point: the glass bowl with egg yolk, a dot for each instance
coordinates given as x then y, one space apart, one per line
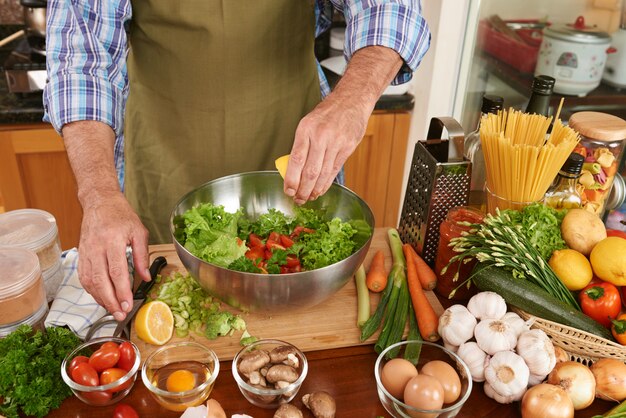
180 375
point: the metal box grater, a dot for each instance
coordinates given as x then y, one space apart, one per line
439 180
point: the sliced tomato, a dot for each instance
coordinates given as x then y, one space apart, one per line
274 245
239 241
274 236
255 241
284 270
286 241
268 254
296 269
292 261
300 229
255 253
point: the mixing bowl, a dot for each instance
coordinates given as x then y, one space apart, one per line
256 193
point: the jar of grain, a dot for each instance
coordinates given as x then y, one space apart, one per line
22 292
34 229
37 322
52 279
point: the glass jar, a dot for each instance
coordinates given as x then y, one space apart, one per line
601 144
449 229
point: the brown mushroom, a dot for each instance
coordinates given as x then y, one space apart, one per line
287 410
321 404
262 398
282 372
285 354
253 361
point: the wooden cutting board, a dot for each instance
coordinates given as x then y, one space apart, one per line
331 324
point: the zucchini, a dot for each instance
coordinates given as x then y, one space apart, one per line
530 298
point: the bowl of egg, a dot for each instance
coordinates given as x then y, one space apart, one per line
437 386
180 375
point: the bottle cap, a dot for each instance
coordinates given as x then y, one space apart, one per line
491 104
573 164
543 84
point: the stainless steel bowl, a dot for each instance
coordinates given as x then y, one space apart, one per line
256 193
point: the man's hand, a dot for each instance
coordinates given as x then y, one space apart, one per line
329 134
109 226
109 223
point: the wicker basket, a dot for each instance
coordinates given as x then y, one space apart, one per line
581 346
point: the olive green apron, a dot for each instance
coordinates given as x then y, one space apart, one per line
217 87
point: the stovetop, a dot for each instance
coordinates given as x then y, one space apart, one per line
25 67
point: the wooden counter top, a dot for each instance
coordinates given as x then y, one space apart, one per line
347 373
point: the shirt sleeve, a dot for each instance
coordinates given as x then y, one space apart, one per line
396 24
86 48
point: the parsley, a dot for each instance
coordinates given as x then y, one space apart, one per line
30 370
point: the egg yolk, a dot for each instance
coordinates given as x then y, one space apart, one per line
180 381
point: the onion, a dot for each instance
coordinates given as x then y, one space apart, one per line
610 377
546 401
577 381
560 354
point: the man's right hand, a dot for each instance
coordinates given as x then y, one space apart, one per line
109 223
109 226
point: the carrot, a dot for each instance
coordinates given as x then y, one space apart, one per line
427 319
425 274
376 279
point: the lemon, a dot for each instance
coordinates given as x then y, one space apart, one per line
281 165
572 268
154 323
608 259
180 381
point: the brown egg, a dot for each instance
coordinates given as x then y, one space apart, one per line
423 392
395 374
447 376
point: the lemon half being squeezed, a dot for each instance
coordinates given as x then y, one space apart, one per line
281 165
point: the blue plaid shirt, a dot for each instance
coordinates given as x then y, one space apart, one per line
87 47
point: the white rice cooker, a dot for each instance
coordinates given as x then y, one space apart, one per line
615 71
575 55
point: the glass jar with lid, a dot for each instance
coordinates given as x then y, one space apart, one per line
602 143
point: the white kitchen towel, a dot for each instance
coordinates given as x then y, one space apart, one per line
73 306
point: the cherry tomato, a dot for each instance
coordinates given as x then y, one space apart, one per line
76 361
104 358
601 301
113 374
85 374
109 345
127 356
618 328
124 411
97 398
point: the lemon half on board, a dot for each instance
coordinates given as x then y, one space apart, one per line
154 323
281 165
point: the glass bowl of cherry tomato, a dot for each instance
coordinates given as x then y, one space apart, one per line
101 371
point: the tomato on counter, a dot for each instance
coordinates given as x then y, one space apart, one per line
615 233
618 328
601 301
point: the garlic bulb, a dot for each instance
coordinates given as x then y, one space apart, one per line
517 323
453 348
485 305
507 373
535 379
456 325
491 393
493 335
475 358
535 347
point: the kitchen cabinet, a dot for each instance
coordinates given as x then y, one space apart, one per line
35 173
374 171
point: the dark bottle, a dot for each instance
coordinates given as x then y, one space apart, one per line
563 193
539 102
474 153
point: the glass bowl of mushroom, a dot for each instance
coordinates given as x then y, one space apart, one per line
269 372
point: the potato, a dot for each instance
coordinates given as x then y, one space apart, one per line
582 230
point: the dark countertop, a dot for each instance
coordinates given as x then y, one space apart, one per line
24 108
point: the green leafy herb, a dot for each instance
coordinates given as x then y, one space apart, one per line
541 224
30 370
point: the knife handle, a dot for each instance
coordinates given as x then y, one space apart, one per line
144 287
